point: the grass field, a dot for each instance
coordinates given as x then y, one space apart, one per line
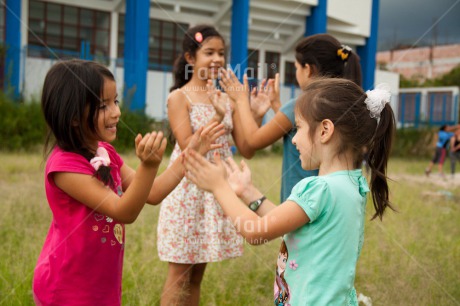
411 258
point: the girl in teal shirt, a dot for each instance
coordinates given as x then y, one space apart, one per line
322 221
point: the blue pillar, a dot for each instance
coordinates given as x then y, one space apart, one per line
455 109
317 21
444 106
136 52
368 52
432 110
13 47
239 37
418 97
403 108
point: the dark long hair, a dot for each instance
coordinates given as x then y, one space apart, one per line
190 45
322 52
342 102
70 103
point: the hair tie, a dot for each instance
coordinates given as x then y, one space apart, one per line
198 37
101 159
344 52
377 99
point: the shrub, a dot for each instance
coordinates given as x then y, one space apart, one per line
132 123
22 125
411 142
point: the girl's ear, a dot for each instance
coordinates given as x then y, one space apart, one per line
310 70
189 58
326 130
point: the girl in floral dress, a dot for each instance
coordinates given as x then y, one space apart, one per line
192 228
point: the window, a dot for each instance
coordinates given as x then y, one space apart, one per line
253 61
440 107
289 74
165 42
272 60
407 107
64 28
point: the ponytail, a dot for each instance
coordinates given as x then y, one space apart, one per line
379 151
104 175
101 163
180 73
352 69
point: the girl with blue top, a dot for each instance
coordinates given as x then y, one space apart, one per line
318 55
322 221
444 135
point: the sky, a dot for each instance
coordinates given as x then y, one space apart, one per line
408 22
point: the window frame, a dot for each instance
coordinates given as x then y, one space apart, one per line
63 46
156 57
290 74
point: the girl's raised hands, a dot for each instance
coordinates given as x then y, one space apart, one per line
218 100
203 140
260 102
150 148
273 92
204 174
232 86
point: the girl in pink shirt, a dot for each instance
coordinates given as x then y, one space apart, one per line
90 191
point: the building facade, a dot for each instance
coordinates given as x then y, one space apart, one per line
421 63
140 39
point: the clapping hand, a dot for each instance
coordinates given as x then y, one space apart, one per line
218 100
206 175
203 139
150 148
239 178
232 86
273 92
260 102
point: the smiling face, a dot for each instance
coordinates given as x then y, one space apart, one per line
209 58
306 144
108 115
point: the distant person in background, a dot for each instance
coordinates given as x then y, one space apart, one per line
444 135
454 151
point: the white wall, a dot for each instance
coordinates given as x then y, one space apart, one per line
391 79
351 16
158 84
34 76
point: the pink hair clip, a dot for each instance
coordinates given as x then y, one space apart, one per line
198 37
101 159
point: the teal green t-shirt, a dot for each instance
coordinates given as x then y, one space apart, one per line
317 262
292 168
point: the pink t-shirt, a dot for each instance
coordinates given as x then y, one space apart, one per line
82 260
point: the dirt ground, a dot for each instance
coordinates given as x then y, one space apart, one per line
434 185
447 181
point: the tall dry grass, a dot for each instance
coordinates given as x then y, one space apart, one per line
411 258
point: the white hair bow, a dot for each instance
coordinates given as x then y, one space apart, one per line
377 98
